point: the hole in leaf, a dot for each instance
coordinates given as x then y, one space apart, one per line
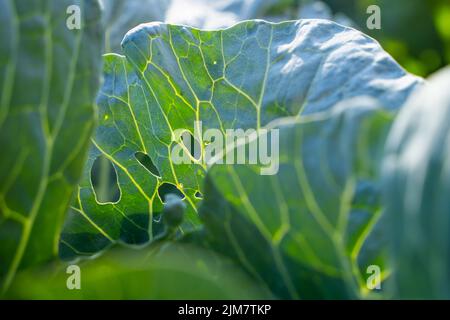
147 163
104 181
167 188
191 144
198 195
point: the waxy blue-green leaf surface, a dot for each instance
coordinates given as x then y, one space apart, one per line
417 188
122 15
312 229
241 77
49 76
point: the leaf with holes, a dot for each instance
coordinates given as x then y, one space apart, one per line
242 77
49 76
312 229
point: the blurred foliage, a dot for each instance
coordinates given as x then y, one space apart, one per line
415 32
48 124
166 271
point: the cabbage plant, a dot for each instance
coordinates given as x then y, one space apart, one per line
353 207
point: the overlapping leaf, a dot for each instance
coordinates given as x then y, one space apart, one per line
312 229
49 76
241 77
417 186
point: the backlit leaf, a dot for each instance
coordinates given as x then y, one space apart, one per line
242 77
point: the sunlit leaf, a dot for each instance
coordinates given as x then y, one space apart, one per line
241 77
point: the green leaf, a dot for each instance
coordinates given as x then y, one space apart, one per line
241 77
122 15
312 229
416 174
49 76
410 33
167 272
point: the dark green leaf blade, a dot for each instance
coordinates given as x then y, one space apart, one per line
49 76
